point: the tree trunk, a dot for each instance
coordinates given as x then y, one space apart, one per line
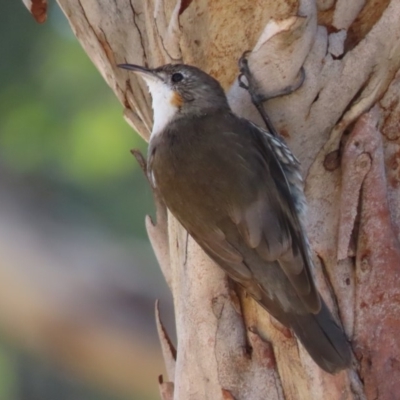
343 125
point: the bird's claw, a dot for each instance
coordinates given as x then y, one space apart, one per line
257 97
301 77
251 86
244 70
241 83
254 88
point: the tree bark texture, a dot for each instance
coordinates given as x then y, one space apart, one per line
343 125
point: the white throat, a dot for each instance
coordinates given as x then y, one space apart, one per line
163 105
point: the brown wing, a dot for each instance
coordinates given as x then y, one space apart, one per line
268 225
233 187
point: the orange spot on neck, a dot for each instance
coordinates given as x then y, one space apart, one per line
177 100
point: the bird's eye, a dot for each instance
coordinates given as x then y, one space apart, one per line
176 77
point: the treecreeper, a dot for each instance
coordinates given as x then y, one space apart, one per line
237 189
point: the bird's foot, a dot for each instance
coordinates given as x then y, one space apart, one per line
256 94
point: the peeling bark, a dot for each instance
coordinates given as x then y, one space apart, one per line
38 8
166 389
342 125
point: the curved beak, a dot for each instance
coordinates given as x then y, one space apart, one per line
146 73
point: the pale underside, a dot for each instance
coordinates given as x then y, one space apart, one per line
163 105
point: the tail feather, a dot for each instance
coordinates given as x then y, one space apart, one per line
323 338
319 333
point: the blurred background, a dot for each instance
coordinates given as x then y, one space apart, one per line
78 278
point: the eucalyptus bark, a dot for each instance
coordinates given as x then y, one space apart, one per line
342 124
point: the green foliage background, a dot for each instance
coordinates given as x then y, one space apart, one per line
61 124
63 135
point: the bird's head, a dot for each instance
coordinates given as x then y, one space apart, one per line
180 90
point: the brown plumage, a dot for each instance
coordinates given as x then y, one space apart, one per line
238 192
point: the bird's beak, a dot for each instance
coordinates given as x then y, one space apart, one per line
148 74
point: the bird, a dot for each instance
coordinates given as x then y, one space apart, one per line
238 191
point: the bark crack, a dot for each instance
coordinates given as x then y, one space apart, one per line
135 14
167 347
357 384
329 284
162 43
107 47
186 248
87 19
139 104
217 314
